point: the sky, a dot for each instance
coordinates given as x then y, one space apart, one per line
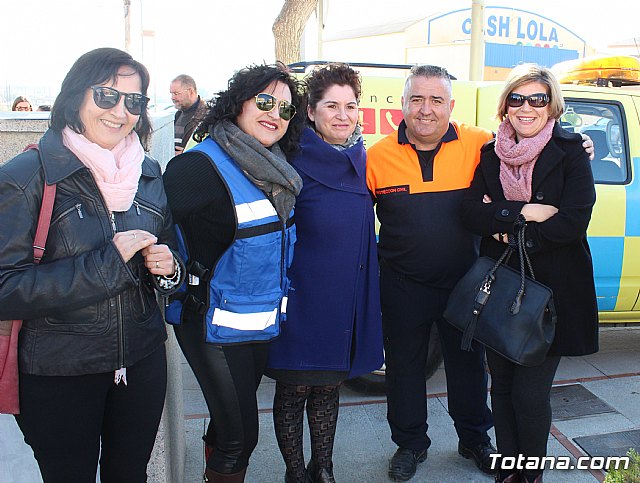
211 39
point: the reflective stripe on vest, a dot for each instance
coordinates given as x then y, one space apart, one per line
251 213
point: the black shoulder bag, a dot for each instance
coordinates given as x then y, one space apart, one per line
509 312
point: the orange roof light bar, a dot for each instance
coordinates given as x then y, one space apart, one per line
618 70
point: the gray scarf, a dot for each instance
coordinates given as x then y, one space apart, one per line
267 168
355 138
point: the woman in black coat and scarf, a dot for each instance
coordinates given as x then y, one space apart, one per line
537 173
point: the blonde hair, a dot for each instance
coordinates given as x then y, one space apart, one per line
525 74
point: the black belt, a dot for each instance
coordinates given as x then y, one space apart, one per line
263 229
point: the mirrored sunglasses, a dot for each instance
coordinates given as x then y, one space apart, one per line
108 97
266 102
539 99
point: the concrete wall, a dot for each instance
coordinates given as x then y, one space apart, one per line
17 129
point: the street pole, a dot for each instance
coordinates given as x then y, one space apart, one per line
320 27
476 58
127 25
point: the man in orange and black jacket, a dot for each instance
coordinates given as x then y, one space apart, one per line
418 176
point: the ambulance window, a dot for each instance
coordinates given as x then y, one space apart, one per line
602 122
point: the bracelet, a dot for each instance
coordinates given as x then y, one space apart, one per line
176 271
166 282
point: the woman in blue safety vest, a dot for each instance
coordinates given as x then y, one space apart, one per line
232 198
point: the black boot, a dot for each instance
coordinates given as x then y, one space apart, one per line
289 478
538 479
317 474
512 478
215 477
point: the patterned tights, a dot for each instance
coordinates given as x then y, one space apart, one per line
322 413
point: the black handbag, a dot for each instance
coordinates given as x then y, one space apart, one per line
508 312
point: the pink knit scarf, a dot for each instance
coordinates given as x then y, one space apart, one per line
115 171
517 159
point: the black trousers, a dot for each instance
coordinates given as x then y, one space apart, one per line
408 311
229 376
520 398
69 420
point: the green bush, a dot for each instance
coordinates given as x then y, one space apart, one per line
629 475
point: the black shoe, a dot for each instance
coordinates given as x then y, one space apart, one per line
316 474
512 478
481 454
404 463
288 478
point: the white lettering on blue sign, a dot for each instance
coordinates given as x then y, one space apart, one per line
499 26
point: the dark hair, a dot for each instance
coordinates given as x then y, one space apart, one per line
94 68
18 100
245 84
330 75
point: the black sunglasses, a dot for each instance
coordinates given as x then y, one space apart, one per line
535 100
266 102
108 97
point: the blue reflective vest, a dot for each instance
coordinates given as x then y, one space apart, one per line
248 289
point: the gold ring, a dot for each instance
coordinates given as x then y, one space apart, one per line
157 264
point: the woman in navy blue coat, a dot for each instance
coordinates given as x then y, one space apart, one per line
333 329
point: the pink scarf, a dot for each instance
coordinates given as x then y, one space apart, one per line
116 171
517 159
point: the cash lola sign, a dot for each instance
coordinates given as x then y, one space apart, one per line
501 26
505 26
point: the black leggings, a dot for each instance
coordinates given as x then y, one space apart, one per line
66 418
229 377
520 400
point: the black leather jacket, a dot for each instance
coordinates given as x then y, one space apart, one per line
85 310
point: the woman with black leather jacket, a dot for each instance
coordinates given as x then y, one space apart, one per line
91 349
